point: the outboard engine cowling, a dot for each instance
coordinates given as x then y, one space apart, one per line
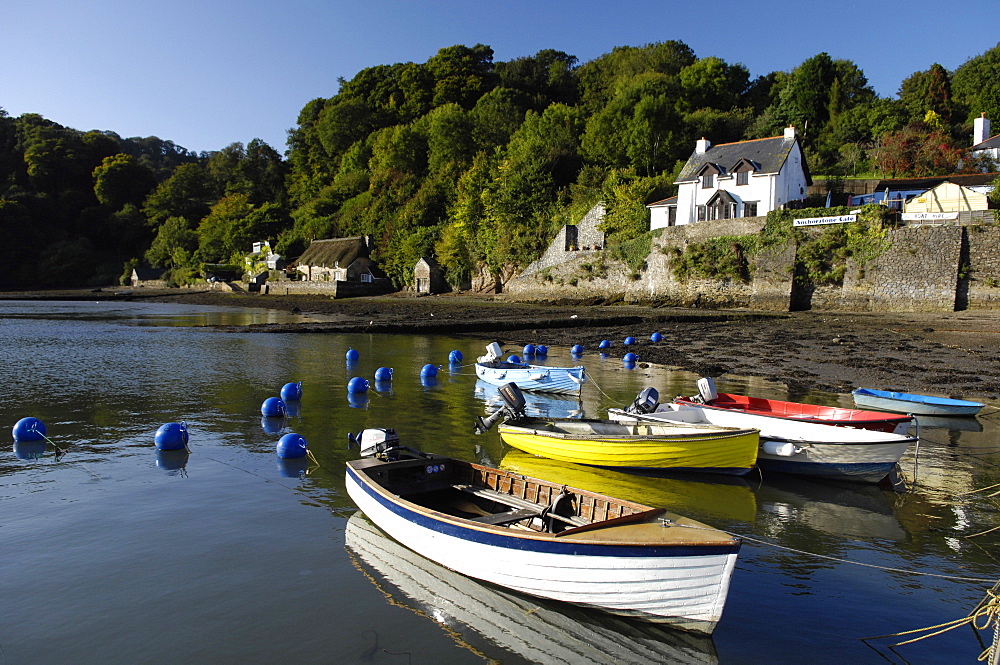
375 442
706 388
512 408
493 353
645 402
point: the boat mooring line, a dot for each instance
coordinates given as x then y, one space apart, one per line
840 560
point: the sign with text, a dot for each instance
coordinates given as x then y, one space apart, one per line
928 216
813 221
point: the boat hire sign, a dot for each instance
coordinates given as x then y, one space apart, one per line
815 221
929 216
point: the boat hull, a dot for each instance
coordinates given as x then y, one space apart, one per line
725 453
918 405
534 378
810 449
684 586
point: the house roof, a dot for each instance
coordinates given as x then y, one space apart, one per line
923 184
992 142
768 155
672 201
334 251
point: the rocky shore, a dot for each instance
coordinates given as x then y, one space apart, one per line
954 354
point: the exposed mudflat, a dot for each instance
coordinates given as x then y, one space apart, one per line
953 354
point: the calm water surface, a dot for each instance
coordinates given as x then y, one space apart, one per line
116 554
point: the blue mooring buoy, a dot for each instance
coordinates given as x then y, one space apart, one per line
655 337
541 350
171 436
630 358
428 371
529 350
383 374
28 429
357 385
455 357
291 392
577 349
351 355
272 406
514 359
629 341
605 344
291 446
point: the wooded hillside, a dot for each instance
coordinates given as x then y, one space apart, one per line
471 161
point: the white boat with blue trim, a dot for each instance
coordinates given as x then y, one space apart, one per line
545 539
917 405
493 369
788 446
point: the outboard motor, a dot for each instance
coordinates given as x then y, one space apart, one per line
376 442
512 408
645 402
706 389
493 353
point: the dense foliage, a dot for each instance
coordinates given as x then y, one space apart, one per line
474 162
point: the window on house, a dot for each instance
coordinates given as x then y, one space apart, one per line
672 216
742 177
702 213
750 209
708 181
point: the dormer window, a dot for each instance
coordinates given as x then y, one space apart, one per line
742 177
708 181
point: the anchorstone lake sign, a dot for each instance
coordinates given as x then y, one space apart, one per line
814 221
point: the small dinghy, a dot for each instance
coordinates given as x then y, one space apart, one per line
918 405
493 369
637 445
876 421
543 538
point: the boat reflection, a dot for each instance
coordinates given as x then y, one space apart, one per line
705 499
541 631
953 423
536 405
861 512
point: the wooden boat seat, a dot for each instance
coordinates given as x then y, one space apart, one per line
517 502
508 517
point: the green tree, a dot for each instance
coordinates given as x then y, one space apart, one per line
122 180
188 194
174 244
224 233
976 85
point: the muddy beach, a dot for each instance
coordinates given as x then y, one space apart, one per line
953 354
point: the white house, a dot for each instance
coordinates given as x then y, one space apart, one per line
743 179
982 144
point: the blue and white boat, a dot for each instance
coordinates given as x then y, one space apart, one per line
918 405
543 538
493 369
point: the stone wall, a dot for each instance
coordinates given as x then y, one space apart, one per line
925 269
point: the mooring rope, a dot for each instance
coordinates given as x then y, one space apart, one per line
987 612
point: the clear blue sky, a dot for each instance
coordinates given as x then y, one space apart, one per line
207 73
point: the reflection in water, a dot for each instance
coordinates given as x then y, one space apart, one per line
970 424
536 405
689 495
540 631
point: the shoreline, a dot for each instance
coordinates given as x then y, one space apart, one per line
953 354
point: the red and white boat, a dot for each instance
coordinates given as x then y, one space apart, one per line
877 421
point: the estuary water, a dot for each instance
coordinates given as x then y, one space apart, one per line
113 553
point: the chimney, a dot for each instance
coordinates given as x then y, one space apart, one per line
980 129
702 145
790 132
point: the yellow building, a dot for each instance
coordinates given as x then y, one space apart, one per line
948 197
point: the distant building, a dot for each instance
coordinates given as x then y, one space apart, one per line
148 277
427 277
337 259
663 213
983 145
743 179
948 197
894 193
